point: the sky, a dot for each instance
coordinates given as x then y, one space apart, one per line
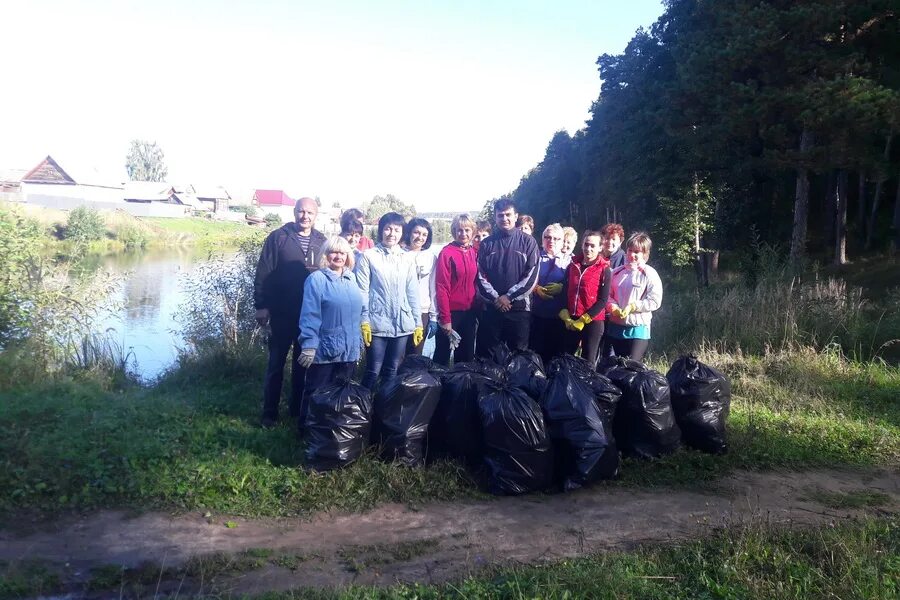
443 104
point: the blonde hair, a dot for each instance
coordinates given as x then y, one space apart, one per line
569 232
641 241
460 221
554 228
337 244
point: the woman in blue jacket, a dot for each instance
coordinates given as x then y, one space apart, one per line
390 296
330 320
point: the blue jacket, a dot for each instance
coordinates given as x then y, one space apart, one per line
551 270
331 316
390 291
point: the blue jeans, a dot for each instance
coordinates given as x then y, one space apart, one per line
383 356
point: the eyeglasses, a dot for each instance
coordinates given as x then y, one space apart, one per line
550 237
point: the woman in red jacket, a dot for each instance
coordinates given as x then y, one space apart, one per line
454 293
587 291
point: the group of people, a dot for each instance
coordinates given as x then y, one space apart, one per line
331 299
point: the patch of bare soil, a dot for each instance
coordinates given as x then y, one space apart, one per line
440 541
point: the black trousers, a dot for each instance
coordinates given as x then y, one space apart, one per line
591 340
548 337
510 327
633 349
465 323
282 339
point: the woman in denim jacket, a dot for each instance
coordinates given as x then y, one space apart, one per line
390 297
330 320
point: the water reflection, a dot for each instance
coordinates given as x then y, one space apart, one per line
150 298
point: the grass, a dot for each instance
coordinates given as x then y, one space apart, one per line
192 442
757 562
853 499
854 560
124 231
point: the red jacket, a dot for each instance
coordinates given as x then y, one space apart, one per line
364 243
587 288
454 280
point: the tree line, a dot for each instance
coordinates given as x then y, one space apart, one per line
740 120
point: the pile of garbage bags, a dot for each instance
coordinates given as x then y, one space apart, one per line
524 426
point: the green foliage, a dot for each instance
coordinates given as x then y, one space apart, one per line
720 93
85 225
20 265
145 162
273 220
384 204
251 211
220 316
133 237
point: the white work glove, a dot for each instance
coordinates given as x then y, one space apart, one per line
306 357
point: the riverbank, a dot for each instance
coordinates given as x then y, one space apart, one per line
122 231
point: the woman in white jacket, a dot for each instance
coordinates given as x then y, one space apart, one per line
635 292
417 236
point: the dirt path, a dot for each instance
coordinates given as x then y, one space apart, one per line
447 540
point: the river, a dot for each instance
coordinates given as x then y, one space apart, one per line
152 292
145 326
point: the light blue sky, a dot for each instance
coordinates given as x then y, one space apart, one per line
444 104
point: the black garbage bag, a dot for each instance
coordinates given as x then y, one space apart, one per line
338 425
403 409
525 370
500 354
455 429
488 368
606 394
584 449
644 425
701 399
517 449
419 362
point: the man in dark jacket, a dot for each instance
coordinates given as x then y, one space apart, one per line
288 256
507 274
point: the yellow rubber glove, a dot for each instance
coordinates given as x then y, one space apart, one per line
617 312
579 323
628 309
418 336
564 315
541 293
553 289
366 333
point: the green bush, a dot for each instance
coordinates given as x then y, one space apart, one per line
20 266
133 237
85 225
273 220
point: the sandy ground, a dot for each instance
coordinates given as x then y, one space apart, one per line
441 541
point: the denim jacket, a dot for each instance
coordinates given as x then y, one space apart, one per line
331 316
390 291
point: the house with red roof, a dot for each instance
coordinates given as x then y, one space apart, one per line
274 201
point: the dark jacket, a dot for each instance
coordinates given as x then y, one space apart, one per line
282 270
616 259
587 288
508 265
